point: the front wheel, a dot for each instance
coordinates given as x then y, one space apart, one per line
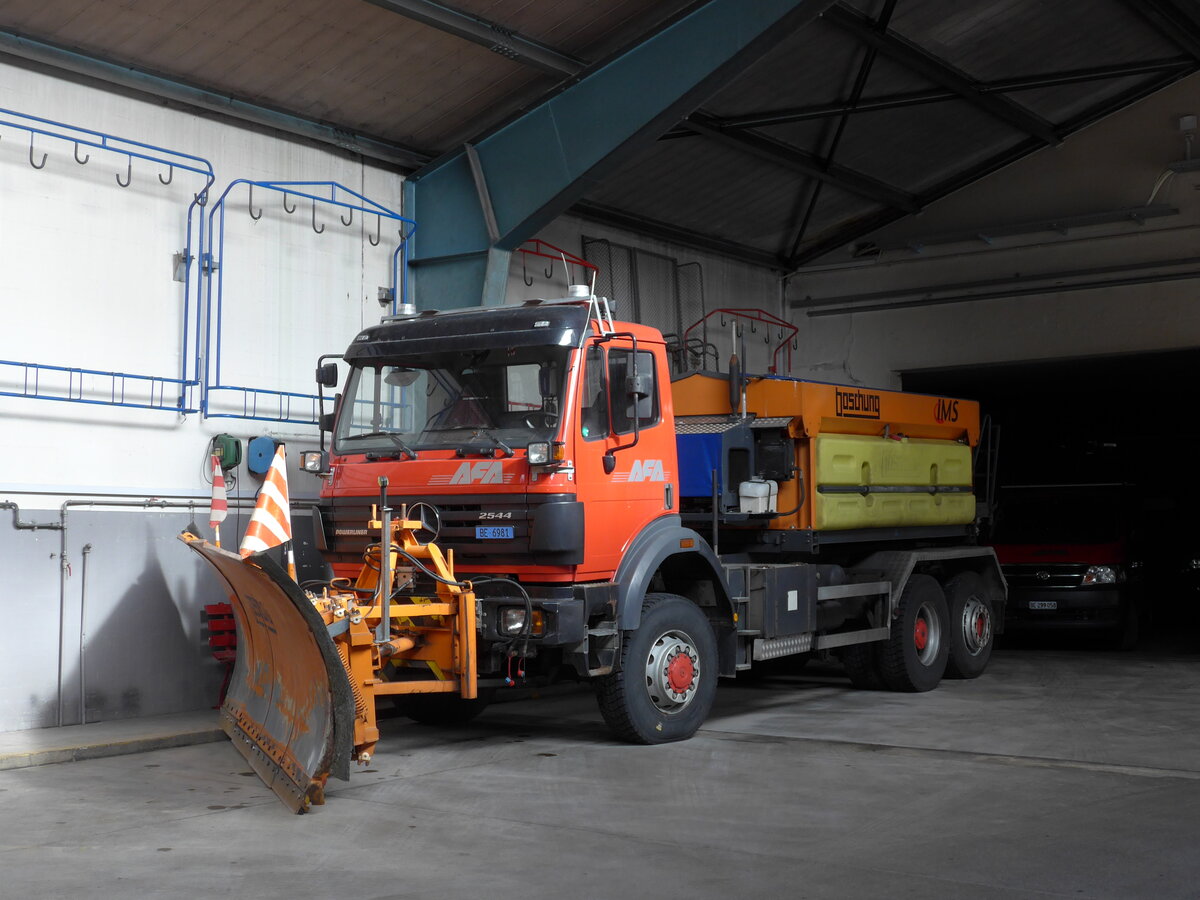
914 657
667 679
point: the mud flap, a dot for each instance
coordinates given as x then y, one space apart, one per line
290 708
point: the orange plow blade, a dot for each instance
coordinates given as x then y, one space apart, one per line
290 708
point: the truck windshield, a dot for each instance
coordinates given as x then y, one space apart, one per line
481 400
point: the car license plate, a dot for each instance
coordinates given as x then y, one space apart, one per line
493 532
1043 604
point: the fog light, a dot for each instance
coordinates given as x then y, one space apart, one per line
1100 575
512 622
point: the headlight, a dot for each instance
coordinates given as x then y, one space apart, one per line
313 461
546 453
1100 575
512 622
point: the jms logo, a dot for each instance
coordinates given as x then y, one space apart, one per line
856 404
482 472
947 411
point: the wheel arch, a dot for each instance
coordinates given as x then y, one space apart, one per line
942 563
668 557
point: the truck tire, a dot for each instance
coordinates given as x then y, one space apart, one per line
667 679
970 634
861 662
913 658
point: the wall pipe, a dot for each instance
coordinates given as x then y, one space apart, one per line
87 550
1018 292
927 292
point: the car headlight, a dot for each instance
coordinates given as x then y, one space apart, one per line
1100 575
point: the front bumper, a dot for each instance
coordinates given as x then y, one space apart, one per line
1097 607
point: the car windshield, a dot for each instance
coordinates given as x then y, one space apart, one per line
476 401
1059 515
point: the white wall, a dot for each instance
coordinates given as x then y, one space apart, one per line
86 281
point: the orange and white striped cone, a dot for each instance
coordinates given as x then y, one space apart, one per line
219 507
271 522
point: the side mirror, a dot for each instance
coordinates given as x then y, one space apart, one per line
327 375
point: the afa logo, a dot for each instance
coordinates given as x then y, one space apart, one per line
482 472
946 411
647 470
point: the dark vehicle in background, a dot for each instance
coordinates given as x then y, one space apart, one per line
1068 554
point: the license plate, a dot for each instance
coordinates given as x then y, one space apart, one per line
493 532
1043 604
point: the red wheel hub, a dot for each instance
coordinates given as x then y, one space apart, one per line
921 634
680 673
979 623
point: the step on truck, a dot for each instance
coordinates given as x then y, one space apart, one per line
650 535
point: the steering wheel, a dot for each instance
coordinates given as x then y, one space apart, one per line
546 419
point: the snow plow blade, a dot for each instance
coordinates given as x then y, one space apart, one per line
289 709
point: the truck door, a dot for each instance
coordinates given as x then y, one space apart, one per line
637 433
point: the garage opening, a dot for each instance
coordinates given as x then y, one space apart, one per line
1126 420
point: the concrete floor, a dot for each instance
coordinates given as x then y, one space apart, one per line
1059 773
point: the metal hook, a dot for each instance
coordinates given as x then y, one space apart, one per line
288 209
524 275
202 197
753 327
350 221
374 241
128 174
550 271
722 321
170 175
86 156
795 344
31 162
250 204
314 219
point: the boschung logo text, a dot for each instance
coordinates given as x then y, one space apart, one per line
857 404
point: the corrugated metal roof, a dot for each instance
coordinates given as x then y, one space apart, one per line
950 90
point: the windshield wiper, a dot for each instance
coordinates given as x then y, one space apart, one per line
391 435
483 449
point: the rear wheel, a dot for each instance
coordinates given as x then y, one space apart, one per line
668 675
914 657
970 632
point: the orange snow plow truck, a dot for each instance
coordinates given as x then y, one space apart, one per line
562 508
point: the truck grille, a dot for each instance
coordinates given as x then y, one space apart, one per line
347 532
